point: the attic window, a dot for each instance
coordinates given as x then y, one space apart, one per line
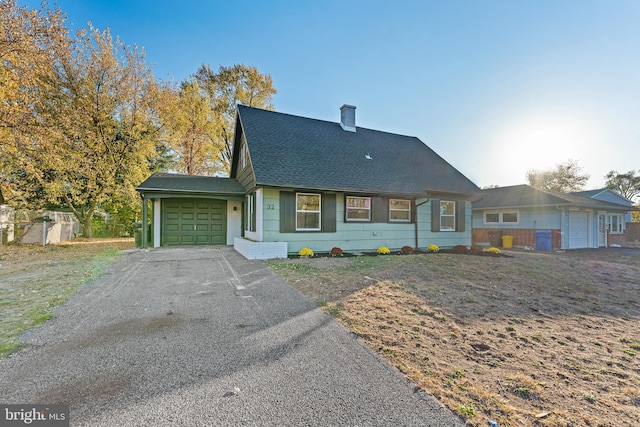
244 156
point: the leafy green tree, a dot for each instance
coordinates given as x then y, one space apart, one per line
91 124
191 130
626 184
226 88
26 40
564 178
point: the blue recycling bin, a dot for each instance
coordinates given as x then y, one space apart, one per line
543 240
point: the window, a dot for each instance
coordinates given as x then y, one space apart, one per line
358 208
244 156
447 215
506 217
615 224
491 217
307 212
399 210
251 212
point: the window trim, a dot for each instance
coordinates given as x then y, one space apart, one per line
455 208
500 214
251 212
620 223
347 209
408 220
319 211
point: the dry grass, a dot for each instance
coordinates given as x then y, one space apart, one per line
531 340
36 279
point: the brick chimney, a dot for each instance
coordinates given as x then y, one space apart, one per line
348 117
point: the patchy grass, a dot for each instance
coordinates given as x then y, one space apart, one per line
531 340
36 279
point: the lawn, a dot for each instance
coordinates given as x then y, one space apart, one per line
36 279
532 339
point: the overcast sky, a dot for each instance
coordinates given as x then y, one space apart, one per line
494 87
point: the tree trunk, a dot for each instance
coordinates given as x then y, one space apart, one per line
86 226
1 197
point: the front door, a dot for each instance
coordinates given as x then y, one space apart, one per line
602 229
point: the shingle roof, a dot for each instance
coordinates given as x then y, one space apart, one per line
602 191
174 183
522 196
293 151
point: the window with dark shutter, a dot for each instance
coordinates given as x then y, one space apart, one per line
307 212
447 215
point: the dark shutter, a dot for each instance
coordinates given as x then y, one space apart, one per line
460 215
287 212
435 215
328 213
379 209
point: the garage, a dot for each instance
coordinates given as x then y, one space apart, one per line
194 222
578 230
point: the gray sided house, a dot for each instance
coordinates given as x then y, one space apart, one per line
301 182
575 221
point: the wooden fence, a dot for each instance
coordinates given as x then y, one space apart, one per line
633 232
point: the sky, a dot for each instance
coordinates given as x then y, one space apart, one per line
495 87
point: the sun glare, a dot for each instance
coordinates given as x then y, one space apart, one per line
541 141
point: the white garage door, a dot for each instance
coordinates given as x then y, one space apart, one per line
578 230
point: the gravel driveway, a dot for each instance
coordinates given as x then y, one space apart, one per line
199 337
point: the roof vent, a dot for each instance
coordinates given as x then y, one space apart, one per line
348 117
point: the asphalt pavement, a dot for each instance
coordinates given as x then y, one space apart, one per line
204 337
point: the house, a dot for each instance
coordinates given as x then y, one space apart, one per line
302 182
575 221
608 195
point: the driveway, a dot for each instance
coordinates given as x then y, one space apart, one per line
201 336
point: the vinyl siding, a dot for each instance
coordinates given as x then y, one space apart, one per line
539 219
359 236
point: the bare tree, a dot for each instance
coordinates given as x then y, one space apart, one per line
564 178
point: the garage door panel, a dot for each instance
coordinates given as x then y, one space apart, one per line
193 222
578 230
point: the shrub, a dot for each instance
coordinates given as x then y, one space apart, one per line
494 251
305 252
460 249
383 250
335 251
406 250
433 248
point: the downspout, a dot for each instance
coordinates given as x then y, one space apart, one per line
415 222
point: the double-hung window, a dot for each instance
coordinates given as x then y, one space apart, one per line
358 208
307 212
399 210
447 215
615 224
